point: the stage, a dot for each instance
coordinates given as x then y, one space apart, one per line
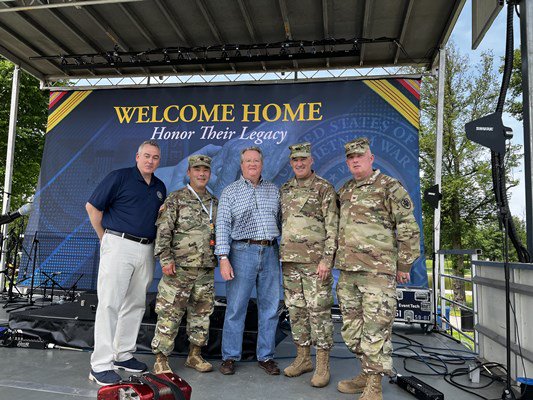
62 374
71 324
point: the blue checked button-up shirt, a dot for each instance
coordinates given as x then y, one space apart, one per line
247 212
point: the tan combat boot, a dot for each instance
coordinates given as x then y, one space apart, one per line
161 364
372 389
301 364
321 375
354 385
196 361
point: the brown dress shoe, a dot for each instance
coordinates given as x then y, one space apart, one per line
227 367
270 366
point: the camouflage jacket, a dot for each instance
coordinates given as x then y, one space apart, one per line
377 229
183 230
310 220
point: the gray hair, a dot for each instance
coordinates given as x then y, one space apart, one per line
252 148
151 143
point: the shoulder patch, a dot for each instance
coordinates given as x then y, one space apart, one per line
405 203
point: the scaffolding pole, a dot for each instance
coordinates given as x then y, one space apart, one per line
10 157
438 169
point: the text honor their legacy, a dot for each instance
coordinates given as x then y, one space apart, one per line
220 113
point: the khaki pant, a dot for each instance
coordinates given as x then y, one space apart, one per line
125 272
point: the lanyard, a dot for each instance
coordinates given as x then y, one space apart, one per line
210 212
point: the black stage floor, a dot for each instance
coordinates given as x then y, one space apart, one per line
71 324
53 374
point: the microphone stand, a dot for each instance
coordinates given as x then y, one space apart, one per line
508 393
73 288
33 250
34 261
10 275
12 278
25 276
50 277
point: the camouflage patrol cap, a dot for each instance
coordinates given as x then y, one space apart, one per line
199 159
357 146
300 150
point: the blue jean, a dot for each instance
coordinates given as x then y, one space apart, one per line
253 266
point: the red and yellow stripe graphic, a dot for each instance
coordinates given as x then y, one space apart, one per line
55 97
412 85
397 99
65 108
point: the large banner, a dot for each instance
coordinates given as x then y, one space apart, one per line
91 133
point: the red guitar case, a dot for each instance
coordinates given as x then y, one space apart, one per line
149 386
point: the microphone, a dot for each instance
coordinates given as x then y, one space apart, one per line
10 217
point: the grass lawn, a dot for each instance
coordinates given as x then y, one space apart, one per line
447 270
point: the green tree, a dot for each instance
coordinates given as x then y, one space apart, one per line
468 205
31 128
489 238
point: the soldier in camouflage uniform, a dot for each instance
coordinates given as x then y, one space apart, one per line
379 239
185 248
310 218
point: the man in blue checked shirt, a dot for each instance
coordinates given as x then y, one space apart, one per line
248 223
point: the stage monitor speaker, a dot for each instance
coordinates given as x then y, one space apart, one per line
90 300
249 340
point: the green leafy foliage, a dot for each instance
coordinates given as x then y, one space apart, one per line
30 137
468 208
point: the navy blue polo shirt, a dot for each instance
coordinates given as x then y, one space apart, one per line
129 204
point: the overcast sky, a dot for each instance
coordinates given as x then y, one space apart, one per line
495 40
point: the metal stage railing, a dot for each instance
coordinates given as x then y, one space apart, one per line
467 313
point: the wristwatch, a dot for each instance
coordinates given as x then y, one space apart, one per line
223 257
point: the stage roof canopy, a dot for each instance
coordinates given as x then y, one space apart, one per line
61 39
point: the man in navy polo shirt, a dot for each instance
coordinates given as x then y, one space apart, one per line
123 210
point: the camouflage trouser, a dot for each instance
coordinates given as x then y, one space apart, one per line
191 290
309 300
368 307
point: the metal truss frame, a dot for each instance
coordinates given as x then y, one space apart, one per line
97 83
31 5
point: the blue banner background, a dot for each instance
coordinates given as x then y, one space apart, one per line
90 142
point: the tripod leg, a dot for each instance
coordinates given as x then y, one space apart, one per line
36 243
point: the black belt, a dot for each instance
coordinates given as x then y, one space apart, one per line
137 239
259 242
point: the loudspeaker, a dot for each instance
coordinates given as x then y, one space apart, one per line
433 196
90 300
214 345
